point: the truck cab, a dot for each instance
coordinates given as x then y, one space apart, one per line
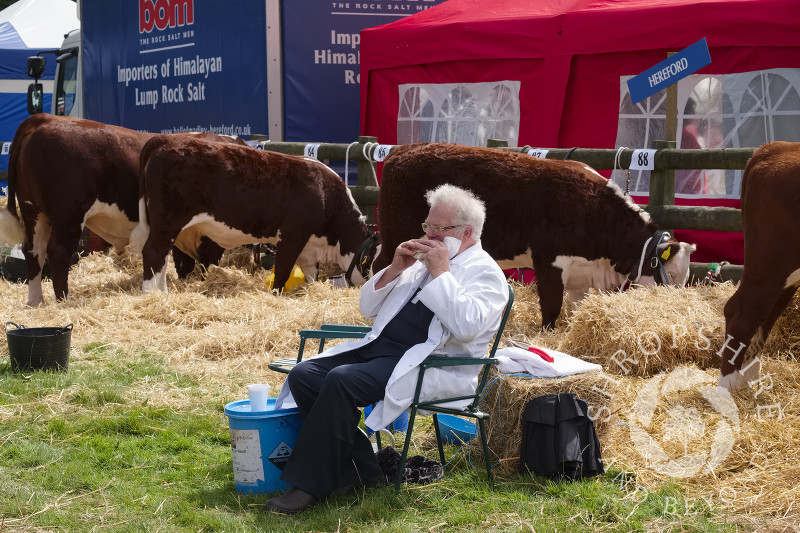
68 82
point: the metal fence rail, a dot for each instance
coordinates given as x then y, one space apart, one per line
661 204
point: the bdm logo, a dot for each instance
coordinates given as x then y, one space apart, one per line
162 14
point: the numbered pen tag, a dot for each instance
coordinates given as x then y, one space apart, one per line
535 152
381 151
311 150
643 160
6 148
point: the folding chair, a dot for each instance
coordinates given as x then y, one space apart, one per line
338 331
326 331
471 411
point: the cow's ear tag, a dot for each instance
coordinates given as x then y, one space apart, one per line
665 254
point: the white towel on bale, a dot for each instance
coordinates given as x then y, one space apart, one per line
512 360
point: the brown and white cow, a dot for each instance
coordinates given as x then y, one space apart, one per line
771 275
65 173
237 195
574 227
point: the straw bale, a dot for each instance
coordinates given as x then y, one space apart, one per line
507 395
784 340
760 464
645 331
240 257
748 462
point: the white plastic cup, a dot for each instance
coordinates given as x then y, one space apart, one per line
258 393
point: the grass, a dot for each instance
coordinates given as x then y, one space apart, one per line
87 450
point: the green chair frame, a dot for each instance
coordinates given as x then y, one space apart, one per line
326 331
473 410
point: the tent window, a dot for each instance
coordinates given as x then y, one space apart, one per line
770 107
717 111
415 105
463 113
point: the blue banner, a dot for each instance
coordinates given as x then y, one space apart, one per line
321 43
674 68
13 110
176 65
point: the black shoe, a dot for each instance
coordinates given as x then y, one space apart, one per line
292 501
372 483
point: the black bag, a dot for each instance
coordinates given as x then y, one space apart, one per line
418 468
558 438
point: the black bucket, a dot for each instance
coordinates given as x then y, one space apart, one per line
38 348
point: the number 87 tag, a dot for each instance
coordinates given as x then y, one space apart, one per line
643 160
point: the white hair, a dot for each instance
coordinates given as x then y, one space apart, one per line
469 209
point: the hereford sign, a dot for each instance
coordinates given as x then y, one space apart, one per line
676 67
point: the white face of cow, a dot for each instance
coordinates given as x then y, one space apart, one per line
356 279
677 268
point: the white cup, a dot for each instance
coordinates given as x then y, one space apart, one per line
258 396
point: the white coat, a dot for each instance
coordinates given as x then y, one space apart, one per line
467 303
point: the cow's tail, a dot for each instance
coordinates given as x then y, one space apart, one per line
11 230
142 230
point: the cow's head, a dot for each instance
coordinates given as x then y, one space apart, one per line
665 261
673 257
360 266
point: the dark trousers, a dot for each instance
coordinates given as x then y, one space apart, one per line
331 451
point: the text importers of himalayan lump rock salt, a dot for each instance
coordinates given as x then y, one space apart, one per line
344 46
174 91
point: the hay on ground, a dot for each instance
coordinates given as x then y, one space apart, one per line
663 418
225 328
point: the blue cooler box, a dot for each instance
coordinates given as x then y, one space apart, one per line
261 443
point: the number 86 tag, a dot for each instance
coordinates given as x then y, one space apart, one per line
643 160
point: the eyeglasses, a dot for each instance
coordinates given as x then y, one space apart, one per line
438 230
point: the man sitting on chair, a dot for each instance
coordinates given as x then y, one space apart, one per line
441 295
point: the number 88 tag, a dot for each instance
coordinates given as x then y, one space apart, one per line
643 160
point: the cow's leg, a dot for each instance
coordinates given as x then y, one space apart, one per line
35 264
62 245
749 316
286 253
551 292
209 252
35 251
184 265
155 258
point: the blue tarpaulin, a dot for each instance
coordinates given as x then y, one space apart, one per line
27 27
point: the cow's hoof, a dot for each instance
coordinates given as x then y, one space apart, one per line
734 381
751 370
